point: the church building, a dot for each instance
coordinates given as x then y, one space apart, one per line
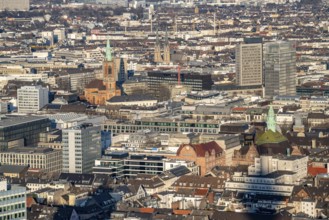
98 91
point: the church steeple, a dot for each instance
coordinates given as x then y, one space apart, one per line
166 49
271 122
108 56
157 43
166 37
157 50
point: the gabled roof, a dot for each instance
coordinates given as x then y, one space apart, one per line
192 181
314 171
81 179
201 149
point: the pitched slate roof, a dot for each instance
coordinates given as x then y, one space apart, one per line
12 169
193 181
96 84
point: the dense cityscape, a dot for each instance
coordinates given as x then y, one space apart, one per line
164 109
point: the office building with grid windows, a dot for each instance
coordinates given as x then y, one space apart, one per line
280 68
81 147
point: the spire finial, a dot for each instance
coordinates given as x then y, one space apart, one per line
157 37
108 50
271 123
166 38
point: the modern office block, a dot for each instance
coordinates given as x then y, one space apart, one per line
31 99
280 68
81 147
249 63
21 131
121 164
197 81
45 159
12 201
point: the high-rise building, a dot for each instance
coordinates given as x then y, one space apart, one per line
81 147
280 68
249 62
15 5
13 201
31 99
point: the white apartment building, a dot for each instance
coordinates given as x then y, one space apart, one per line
265 165
81 147
31 99
12 201
270 175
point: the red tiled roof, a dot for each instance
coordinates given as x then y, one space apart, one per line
30 201
313 171
201 192
239 109
181 212
147 210
201 149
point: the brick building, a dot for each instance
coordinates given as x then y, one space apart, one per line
205 155
99 91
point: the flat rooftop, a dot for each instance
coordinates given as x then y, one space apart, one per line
10 121
29 150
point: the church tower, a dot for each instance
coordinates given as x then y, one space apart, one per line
109 74
109 68
270 121
157 50
166 50
98 91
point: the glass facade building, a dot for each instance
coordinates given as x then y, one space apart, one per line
21 131
280 68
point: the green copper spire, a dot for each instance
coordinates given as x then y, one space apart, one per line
271 122
108 50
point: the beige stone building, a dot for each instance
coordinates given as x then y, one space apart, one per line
45 159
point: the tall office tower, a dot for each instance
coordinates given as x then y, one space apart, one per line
280 68
249 62
31 99
15 5
13 201
81 147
